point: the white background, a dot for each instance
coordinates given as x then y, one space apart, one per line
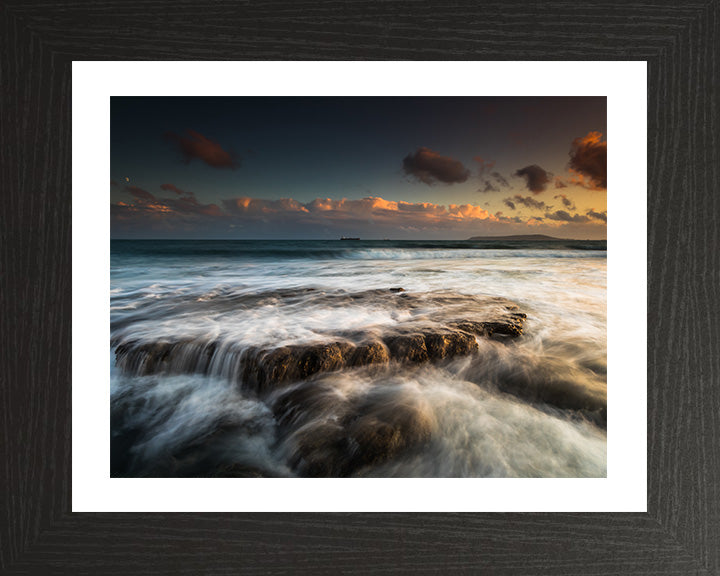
624 84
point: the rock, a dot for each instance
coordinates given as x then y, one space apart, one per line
143 358
440 345
369 353
408 348
291 363
330 435
509 327
323 358
321 451
549 382
294 405
477 328
387 426
263 368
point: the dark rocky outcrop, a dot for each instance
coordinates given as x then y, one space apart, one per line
321 451
510 325
383 429
549 383
289 363
327 435
449 343
408 348
182 356
419 340
369 353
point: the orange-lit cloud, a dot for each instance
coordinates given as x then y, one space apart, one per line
254 207
146 203
195 145
372 209
429 167
371 215
588 161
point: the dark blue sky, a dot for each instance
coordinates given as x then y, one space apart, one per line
394 167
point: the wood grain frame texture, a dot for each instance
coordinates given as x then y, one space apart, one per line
680 533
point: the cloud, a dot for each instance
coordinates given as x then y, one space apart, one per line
484 166
147 215
588 159
140 194
366 209
597 215
175 189
493 181
245 207
559 183
536 178
566 201
489 187
146 203
346 215
563 216
467 211
428 166
195 145
500 179
509 219
528 201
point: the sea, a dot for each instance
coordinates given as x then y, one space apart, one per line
192 320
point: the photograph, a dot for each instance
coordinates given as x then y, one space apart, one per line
358 287
365 310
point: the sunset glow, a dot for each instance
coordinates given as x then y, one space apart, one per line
368 167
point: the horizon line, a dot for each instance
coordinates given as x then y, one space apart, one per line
356 240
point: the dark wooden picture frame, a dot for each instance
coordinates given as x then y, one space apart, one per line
680 533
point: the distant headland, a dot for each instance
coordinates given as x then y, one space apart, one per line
527 237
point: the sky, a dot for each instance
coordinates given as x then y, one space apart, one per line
368 167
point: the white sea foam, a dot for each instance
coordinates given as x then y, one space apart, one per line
243 302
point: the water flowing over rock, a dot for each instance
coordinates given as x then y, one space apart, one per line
327 434
416 341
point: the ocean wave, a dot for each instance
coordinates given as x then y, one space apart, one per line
369 249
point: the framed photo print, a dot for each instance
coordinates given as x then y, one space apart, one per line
320 288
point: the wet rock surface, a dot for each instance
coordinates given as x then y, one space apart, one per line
326 434
263 368
418 340
329 436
